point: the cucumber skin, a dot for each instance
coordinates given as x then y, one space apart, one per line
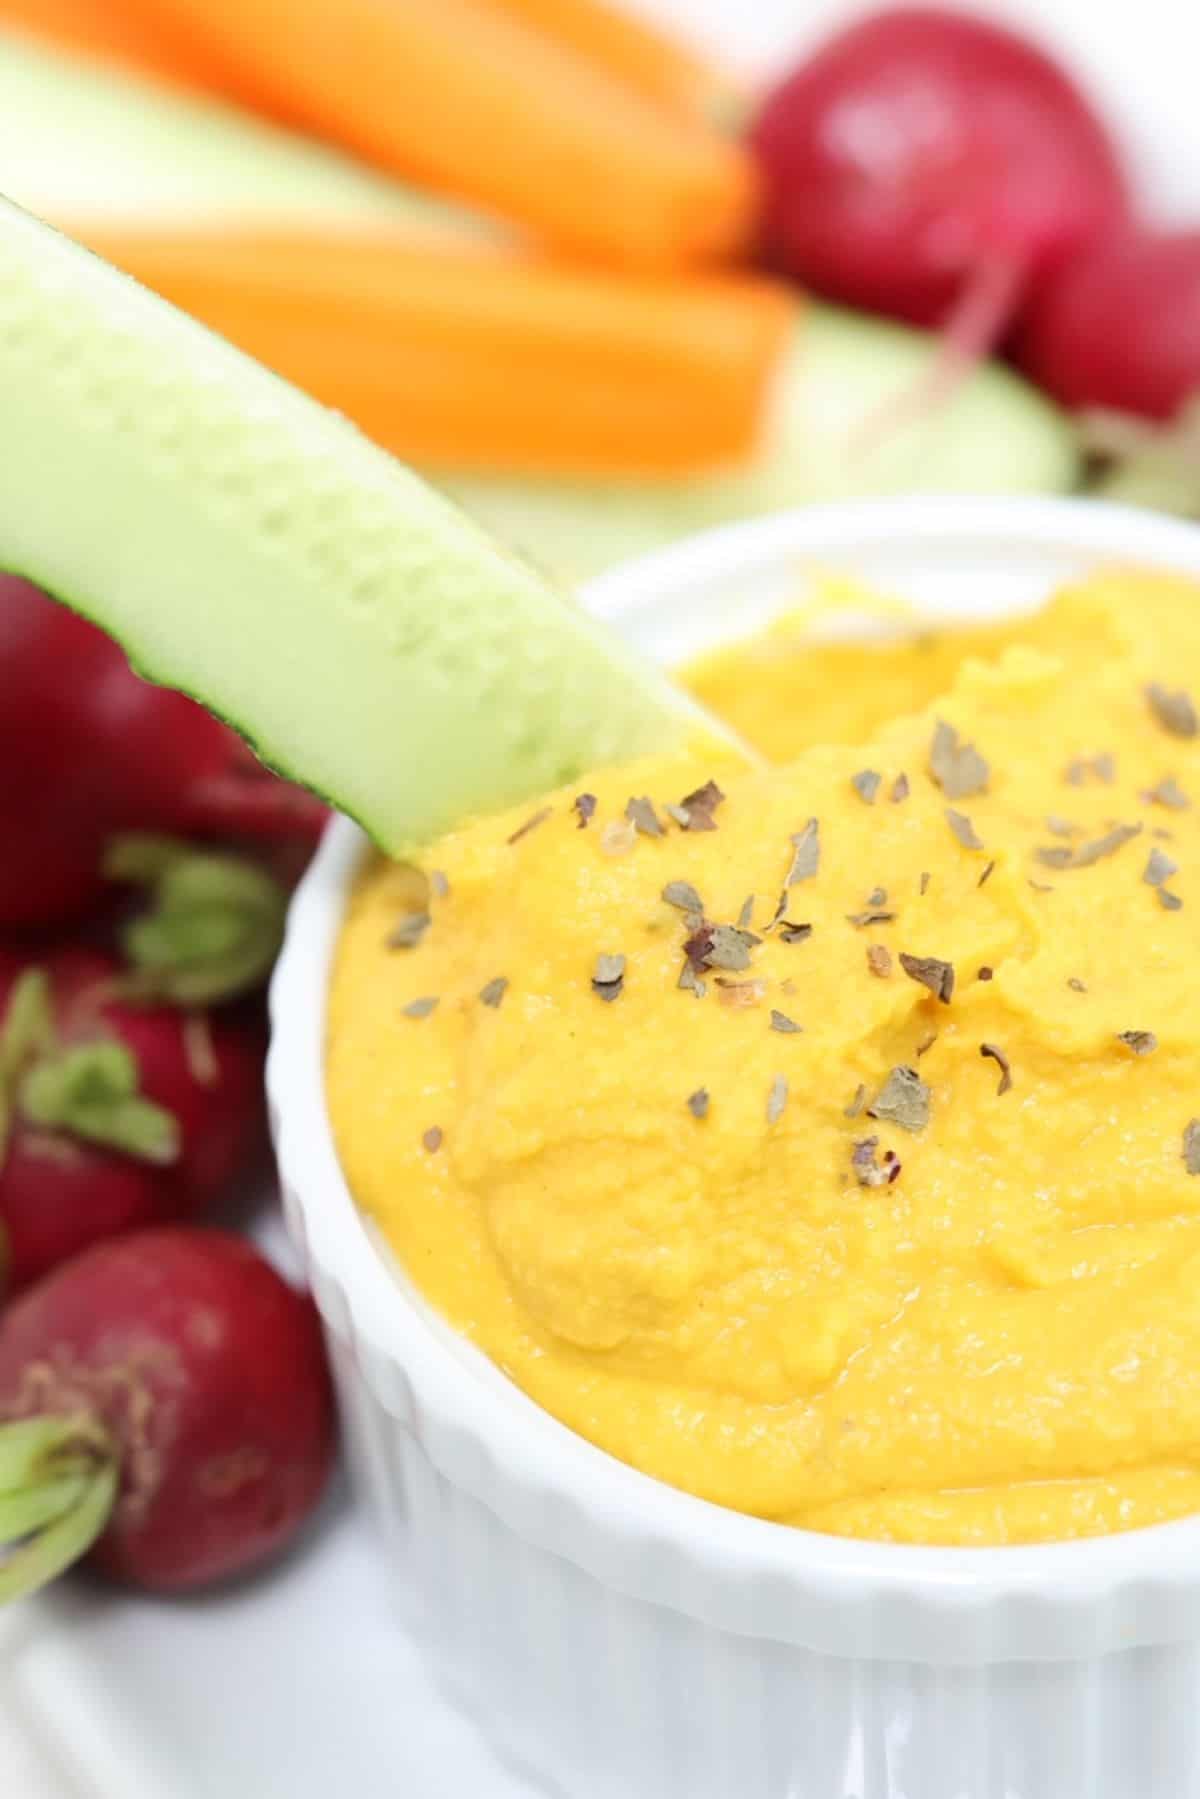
998 435
255 551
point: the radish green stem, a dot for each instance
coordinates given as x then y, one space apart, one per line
214 926
27 1031
58 1484
23 1513
91 1092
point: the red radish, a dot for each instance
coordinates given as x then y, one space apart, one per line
932 166
89 750
1118 325
112 1115
179 1418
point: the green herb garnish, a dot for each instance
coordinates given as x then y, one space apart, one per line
930 972
958 768
903 1099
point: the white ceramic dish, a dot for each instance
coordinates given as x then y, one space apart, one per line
633 1641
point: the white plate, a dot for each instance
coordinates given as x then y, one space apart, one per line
102 1697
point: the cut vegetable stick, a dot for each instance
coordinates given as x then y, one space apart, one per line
481 105
650 60
84 139
480 357
108 30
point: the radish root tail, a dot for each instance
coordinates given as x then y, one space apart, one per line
977 322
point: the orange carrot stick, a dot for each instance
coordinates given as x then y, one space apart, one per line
479 104
650 60
108 30
482 358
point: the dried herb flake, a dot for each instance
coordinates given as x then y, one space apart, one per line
931 972
1170 902
958 768
531 824
900 789
494 992
777 1099
1191 1147
781 1022
1159 868
1168 793
1103 767
409 932
879 960
585 807
720 946
806 858
869 1172
421 1008
1108 845
963 829
1062 856
1001 1060
856 1104
698 1103
1175 712
1142 1043
903 1099
695 810
683 896
866 784
432 1139
609 978
794 933
642 816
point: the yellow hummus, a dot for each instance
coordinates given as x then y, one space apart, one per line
673 1219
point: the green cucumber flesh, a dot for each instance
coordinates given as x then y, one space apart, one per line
996 435
80 140
252 549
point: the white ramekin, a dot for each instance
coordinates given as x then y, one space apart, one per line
627 1641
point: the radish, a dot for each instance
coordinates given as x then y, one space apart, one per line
90 750
113 1115
170 1414
934 167
1118 325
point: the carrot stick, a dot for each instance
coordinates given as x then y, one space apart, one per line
109 31
482 358
479 104
650 60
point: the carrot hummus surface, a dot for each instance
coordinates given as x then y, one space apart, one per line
825 1140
